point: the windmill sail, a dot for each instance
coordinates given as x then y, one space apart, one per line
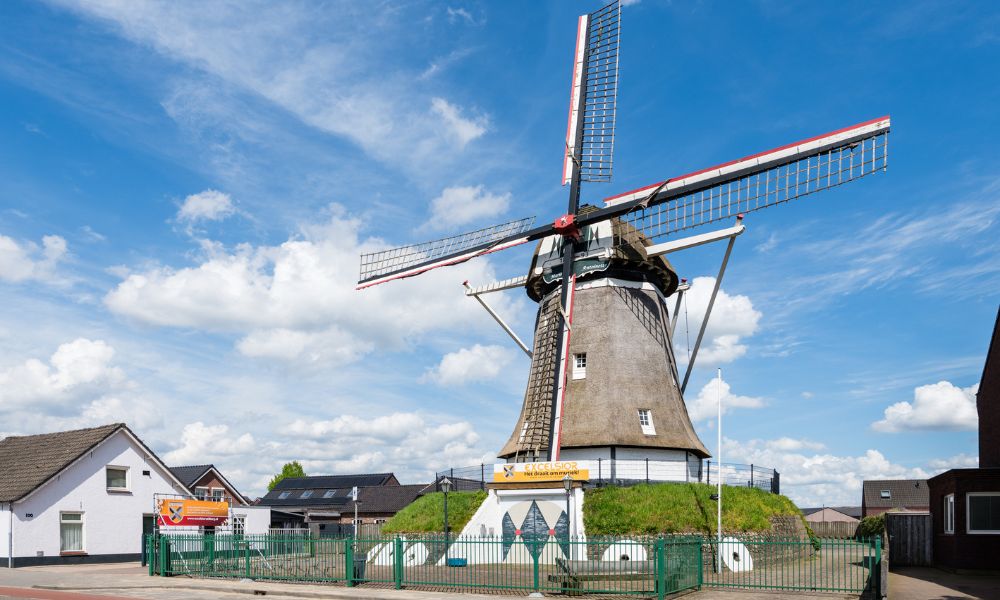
754 182
595 76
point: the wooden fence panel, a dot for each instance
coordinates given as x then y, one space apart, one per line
910 538
838 530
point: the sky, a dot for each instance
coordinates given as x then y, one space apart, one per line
185 188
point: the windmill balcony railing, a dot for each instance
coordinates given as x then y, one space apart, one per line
626 472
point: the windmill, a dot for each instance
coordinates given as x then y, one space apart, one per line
603 375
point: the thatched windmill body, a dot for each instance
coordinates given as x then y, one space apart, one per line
603 381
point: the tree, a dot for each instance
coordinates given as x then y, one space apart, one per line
292 469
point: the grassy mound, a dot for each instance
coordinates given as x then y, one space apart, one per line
426 515
680 508
652 509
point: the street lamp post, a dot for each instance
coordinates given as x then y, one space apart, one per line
446 487
568 486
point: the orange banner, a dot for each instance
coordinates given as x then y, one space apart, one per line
193 512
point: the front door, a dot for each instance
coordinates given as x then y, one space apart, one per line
148 528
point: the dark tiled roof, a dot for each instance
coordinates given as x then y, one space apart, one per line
28 461
335 481
190 474
902 493
371 499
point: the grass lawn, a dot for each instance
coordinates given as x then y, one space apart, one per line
426 515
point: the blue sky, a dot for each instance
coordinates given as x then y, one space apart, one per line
184 189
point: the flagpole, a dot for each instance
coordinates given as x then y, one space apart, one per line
718 480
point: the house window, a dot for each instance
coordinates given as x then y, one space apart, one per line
885 495
218 494
71 532
306 494
329 493
239 525
580 365
284 495
117 478
646 421
982 512
949 513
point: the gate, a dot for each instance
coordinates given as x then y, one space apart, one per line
910 538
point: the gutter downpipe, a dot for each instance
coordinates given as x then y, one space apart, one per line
10 535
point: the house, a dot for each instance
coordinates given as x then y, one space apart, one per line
882 495
832 514
965 503
207 483
326 499
86 495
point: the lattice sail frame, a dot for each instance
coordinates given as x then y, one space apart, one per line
595 74
407 259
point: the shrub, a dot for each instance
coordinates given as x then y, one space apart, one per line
872 526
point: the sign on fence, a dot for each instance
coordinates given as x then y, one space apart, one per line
539 471
204 513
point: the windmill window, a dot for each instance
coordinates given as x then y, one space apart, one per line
646 421
885 495
580 365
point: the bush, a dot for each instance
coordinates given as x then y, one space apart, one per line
872 526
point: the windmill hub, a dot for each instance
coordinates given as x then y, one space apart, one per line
566 227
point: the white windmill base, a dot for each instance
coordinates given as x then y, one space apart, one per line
635 464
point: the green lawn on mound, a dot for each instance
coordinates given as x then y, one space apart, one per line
426 514
636 510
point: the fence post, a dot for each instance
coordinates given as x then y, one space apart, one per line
164 549
397 562
709 473
751 474
600 476
246 558
349 562
150 554
482 476
876 574
647 470
661 569
701 562
534 560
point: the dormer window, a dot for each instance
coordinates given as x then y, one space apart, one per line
646 421
580 365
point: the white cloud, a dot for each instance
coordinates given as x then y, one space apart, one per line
811 478
462 129
209 205
297 301
78 368
455 13
733 318
336 81
478 363
705 405
201 444
465 204
938 406
959 461
23 261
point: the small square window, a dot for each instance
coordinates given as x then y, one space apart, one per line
201 493
117 478
306 494
329 493
885 495
218 494
580 365
284 495
646 421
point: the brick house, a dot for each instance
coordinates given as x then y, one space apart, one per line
965 503
207 483
882 495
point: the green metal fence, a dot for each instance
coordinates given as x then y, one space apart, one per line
647 567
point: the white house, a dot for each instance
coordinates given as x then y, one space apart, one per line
79 496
